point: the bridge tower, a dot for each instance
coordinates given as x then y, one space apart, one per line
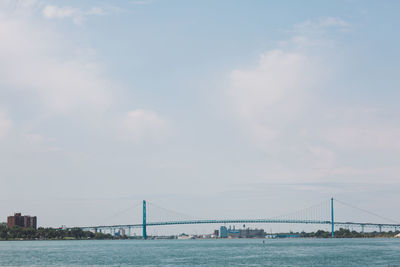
332 220
144 220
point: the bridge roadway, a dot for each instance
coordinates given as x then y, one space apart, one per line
226 221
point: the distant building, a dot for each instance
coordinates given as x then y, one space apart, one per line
23 221
241 233
216 233
282 236
233 233
122 232
251 233
223 232
185 236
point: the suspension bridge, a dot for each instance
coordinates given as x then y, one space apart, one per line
311 215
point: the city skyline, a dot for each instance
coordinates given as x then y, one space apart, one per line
209 108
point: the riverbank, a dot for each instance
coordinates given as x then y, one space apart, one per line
20 234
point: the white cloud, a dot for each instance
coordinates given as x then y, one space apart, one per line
5 125
316 33
96 11
77 15
26 3
39 62
322 24
280 104
59 12
56 78
333 22
271 95
142 125
51 12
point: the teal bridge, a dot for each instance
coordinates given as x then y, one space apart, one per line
331 222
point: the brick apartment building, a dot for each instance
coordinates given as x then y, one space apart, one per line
23 221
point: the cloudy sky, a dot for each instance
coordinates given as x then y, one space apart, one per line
211 108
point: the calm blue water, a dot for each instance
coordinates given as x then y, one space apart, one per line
239 252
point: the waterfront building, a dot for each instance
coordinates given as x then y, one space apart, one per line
251 233
122 232
216 233
223 232
233 233
22 221
241 233
185 236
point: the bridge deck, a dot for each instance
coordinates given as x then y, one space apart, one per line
225 221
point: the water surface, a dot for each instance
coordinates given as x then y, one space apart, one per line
239 252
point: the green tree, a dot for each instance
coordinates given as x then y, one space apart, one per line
3 231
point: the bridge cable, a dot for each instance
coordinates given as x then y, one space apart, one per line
366 211
314 211
121 212
172 211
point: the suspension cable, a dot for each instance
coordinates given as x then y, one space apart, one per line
366 211
172 211
119 213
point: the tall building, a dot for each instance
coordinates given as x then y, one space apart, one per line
23 221
223 232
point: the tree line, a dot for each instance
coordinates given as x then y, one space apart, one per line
17 232
346 233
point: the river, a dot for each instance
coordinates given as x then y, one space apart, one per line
233 252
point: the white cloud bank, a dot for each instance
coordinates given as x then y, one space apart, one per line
270 96
278 103
56 79
30 62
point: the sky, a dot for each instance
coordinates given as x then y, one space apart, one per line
215 109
